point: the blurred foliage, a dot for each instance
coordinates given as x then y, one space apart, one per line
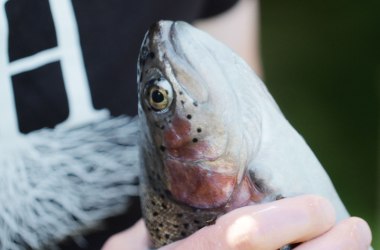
322 65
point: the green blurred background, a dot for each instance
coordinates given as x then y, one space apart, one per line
322 65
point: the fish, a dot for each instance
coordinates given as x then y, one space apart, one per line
212 137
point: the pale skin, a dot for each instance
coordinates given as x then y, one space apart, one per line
309 219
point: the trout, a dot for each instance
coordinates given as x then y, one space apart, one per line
212 137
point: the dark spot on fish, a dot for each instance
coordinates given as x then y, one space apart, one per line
189 117
183 102
186 225
199 227
195 140
160 225
199 130
162 148
195 104
167 236
155 214
279 197
183 234
167 192
151 55
153 203
162 196
164 206
162 127
175 226
180 92
196 221
179 215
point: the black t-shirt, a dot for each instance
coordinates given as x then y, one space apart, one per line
110 33
90 49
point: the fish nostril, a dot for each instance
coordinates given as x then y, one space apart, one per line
189 116
195 140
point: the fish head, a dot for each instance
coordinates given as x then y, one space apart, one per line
191 115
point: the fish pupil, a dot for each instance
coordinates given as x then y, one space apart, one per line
157 96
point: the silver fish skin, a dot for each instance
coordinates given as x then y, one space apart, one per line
212 137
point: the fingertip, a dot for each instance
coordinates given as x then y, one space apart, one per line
361 230
136 237
113 243
139 225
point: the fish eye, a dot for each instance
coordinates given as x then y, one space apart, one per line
159 95
158 98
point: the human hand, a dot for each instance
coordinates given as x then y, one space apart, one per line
308 219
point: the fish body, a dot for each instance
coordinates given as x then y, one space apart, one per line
212 137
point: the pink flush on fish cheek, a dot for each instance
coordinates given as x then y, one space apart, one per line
198 187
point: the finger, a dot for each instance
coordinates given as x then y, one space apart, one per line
352 233
267 226
135 237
